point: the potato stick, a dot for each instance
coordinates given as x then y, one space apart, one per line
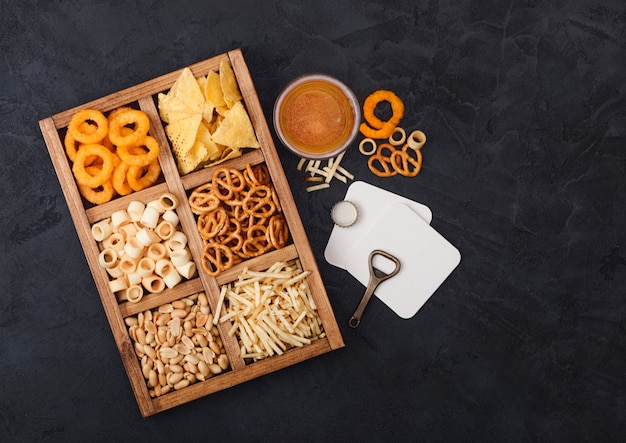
299 319
276 275
276 267
245 338
248 329
316 164
317 171
313 179
286 324
330 174
317 187
233 329
311 299
297 278
226 317
239 298
332 167
267 328
220 301
345 173
301 164
293 294
265 341
243 283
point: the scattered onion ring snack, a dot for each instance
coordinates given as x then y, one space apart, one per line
111 155
375 127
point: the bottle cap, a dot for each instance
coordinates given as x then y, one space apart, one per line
344 213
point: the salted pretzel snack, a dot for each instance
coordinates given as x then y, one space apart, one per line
381 164
226 182
403 161
216 258
238 217
132 160
389 161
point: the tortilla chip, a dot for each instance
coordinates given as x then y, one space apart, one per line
236 129
230 89
186 88
213 90
182 134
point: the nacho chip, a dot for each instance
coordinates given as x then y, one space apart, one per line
236 129
207 122
230 89
204 137
182 134
213 90
226 154
186 88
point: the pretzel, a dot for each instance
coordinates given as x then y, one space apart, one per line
226 182
231 236
216 258
211 224
238 212
404 163
381 164
256 175
203 200
258 202
255 243
277 231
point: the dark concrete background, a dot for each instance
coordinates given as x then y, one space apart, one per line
524 106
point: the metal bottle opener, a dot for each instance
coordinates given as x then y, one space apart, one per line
376 277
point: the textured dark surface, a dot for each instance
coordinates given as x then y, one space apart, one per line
525 110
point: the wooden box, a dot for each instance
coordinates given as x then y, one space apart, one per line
143 96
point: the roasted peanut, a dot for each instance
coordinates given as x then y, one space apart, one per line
177 344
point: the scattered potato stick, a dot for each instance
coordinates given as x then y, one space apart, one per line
325 174
318 187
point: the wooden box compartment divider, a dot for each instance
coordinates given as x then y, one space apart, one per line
84 215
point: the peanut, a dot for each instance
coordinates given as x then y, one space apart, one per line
177 344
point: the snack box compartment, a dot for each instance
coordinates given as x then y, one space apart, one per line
124 315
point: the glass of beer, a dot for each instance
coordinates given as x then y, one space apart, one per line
316 116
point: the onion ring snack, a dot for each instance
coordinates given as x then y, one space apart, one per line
76 126
80 167
135 155
375 127
126 117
